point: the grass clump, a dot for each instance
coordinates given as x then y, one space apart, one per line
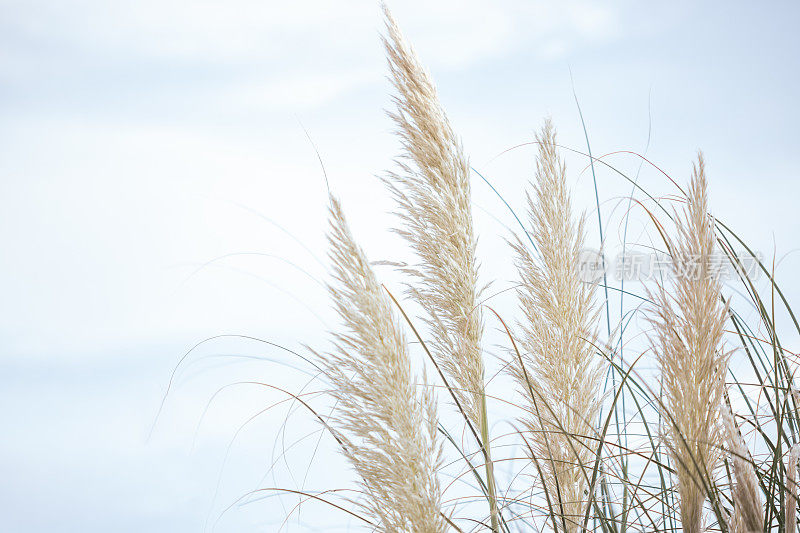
601 441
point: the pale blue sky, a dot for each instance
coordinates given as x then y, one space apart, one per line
140 140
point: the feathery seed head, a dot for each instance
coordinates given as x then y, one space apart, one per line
432 190
559 372
748 514
687 341
388 428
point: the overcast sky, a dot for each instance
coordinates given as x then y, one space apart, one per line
157 188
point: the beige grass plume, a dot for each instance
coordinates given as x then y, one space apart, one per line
432 189
387 425
687 340
559 371
748 514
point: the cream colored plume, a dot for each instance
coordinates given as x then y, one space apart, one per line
748 513
559 372
687 340
385 419
432 189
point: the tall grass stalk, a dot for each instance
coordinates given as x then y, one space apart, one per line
687 340
558 371
675 458
432 190
748 513
386 425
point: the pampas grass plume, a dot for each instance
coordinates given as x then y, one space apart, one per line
558 370
748 514
432 190
687 341
387 426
